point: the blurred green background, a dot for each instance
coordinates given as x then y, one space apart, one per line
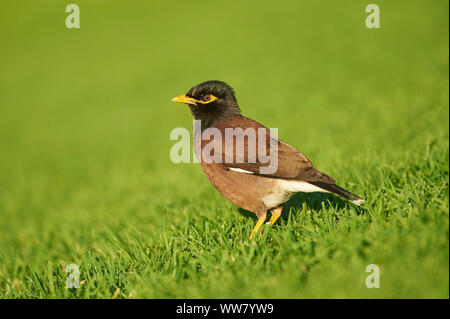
85 173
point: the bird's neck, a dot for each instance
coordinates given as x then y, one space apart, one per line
209 116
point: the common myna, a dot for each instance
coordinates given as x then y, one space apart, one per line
254 184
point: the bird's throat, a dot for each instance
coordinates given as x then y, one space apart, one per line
212 114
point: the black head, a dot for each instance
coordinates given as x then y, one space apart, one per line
210 101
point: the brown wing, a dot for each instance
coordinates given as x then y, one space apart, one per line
243 151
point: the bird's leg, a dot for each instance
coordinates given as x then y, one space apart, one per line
276 213
261 220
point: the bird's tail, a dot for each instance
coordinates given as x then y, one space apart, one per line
333 188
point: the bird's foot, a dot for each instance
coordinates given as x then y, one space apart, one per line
257 226
276 213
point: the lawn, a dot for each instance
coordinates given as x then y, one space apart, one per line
85 170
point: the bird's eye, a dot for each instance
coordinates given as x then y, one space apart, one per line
207 98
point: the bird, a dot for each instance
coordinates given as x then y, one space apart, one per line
231 166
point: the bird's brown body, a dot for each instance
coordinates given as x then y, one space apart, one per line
244 191
249 190
240 177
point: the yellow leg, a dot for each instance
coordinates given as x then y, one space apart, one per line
276 213
258 226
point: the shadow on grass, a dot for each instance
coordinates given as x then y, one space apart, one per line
313 201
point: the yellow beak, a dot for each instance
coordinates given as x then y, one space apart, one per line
185 99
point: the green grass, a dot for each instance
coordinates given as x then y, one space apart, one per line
85 174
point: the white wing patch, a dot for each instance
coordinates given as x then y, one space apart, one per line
238 170
296 186
284 189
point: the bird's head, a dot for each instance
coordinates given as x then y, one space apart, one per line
210 101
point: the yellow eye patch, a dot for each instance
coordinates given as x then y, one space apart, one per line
189 100
208 99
